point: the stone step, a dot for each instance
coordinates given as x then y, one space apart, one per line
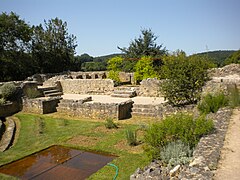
144 114
50 91
122 95
8 135
126 88
54 94
123 92
143 110
150 106
46 88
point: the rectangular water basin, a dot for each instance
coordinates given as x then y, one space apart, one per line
57 162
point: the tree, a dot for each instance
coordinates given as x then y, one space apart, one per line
15 43
145 45
52 47
184 78
234 58
144 69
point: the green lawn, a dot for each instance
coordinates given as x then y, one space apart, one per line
79 134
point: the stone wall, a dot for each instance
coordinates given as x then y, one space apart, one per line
150 87
159 110
95 110
40 105
87 86
9 108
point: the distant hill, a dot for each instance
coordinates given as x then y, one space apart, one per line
105 58
218 57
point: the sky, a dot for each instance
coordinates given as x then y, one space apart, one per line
103 25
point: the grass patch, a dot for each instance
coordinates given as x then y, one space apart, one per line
41 131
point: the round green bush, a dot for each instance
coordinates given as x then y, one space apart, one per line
8 91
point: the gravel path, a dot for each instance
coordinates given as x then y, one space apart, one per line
229 164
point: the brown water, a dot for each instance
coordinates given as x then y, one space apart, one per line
57 162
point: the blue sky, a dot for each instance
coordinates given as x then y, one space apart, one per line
102 25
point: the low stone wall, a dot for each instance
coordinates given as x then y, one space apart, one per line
40 105
87 86
9 109
159 110
150 87
95 110
205 156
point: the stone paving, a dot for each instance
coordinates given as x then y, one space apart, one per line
109 99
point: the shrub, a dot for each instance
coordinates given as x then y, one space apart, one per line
184 78
131 137
109 124
211 103
176 127
8 91
2 101
144 69
175 153
234 96
114 75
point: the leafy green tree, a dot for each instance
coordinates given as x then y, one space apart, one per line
234 58
184 78
144 69
15 43
53 48
145 45
114 67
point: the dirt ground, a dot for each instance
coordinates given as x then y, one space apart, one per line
229 164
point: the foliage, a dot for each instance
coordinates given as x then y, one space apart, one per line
131 137
212 102
8 91
185 77
93 66
175 153
53 48
2 101
114 67
144 69
145 45
234 58
25 50
217 57
15 44
114 75
109 124
234 96
115 63
176 127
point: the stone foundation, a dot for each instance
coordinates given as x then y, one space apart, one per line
150 87
95 110
87 86
40 105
